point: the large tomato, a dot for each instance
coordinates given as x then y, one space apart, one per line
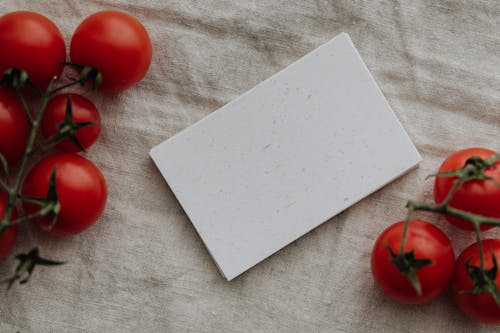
32 42
116 44
427 242
83 110
80 187
482 306
477 196
8 238
14 126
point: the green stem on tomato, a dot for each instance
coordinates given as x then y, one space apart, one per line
477 229
4 187
26 108
25 218
454 189
65 86
447 210
52 142
413 206
405 230
87 74
13 192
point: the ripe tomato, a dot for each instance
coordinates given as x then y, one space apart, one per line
32 42
8 238
14 126
117 45
81 189
481 307
427 242
477 196
83 110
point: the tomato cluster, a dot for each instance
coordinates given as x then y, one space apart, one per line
427 255
112 46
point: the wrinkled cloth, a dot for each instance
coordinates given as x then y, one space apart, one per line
142 267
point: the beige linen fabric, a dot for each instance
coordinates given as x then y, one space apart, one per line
142 268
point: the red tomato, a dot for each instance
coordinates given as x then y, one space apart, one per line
83 110
427 242
14 126
8 238
117 45
477 196
481 307
31 42
81 189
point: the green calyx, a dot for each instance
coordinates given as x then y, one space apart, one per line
474 169
483 280
408 265
68 128
50 205
87 74
15 78
27 263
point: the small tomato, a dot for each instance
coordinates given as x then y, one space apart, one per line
476 196
116 44
478 306
426 241
83 110
32 42
80 187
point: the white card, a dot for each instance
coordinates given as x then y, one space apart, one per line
286 156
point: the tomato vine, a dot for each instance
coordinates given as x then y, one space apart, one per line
49 194
483 279
50 206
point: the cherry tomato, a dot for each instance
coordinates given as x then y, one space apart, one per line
481 307
83 110
81 189
32 42
117 45
477 196
8 238
427 242
14 126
